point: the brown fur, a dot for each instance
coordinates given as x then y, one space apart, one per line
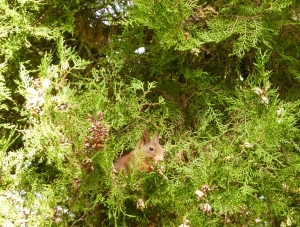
147 150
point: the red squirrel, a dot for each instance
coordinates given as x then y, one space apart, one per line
146 151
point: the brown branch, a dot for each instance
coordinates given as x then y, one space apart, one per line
244 17
41 17
78 220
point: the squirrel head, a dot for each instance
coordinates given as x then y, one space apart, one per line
151 147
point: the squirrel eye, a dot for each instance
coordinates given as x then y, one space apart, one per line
151 148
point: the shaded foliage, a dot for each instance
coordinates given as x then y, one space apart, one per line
81 80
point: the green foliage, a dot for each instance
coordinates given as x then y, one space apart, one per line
80 82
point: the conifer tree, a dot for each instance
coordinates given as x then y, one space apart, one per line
80 81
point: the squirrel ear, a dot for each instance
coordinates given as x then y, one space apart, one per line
145 137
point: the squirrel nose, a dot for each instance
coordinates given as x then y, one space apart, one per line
159 158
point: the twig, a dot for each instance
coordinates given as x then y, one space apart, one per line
80 219
244 17
41 17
